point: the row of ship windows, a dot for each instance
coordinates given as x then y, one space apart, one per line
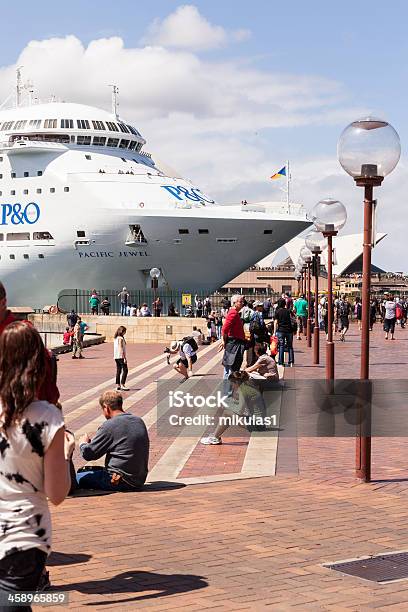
96 141
39 190
101 141
13 236
82 124
26 256
36 235
205 231
25 174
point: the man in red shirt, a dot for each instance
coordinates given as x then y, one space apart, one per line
48 390
233 338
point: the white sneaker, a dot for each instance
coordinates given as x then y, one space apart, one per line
210 440
124 388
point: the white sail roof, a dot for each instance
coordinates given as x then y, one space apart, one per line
348 248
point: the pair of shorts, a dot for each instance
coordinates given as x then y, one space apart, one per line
185 362
302 323
344 323
389 325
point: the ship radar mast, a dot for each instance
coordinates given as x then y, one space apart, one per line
115 100
19 86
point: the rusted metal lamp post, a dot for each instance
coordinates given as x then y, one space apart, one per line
368 150
298 275
329 216
306 255
315 242
299 278
309 303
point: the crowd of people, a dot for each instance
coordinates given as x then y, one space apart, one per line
245 330
36 450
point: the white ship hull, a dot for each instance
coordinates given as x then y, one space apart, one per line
68 216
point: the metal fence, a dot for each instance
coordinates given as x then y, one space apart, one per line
78 299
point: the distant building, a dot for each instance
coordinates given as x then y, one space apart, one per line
347 269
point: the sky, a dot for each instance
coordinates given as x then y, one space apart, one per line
226 91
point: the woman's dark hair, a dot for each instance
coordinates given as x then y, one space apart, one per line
22 369
121 331
281 303
238 377
261 348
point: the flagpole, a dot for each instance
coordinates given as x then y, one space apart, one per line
287 182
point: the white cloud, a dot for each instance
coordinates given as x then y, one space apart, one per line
186 28
177 87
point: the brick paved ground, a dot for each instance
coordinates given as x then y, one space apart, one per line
249 544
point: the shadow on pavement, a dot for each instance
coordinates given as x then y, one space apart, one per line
133 582
387 480
60 558
159 485
162 485
89 493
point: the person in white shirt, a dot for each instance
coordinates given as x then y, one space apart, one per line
119 355
389 317
144 311
35 455
187 357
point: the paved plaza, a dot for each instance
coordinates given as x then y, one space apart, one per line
244 525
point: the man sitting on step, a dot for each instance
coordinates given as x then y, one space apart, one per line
123 438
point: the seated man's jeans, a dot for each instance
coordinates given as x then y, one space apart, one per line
21 571
101 480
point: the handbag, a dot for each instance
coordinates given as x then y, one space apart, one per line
274 346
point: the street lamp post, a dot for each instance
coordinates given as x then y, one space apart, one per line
154 275
297 274
306 255
299 278
329 216
368 150
315 242
309 304
316 331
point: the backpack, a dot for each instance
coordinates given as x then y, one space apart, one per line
255 326
344 309
246 314
191 341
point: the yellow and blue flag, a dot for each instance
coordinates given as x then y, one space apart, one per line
280 174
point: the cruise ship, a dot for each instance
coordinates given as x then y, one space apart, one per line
83 205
